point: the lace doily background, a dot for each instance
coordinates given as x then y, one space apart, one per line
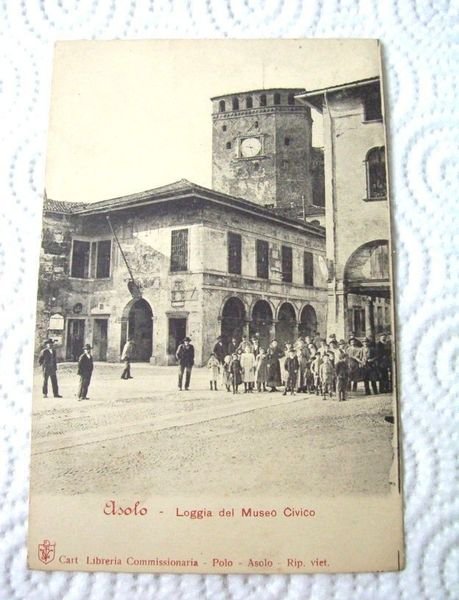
421 81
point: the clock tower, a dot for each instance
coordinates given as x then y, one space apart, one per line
262 148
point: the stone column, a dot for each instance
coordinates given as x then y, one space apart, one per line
369 319
152 357
272 330
340 311
245 330
296 331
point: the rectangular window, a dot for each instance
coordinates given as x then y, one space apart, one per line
104 252
262 259
287 264
308 268
91 259
376 174
234 253
373 105
80 259
179 250
387 318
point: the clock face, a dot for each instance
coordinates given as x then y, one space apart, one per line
250 146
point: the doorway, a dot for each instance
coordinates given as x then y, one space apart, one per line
99 340
137 324
177 332
75 339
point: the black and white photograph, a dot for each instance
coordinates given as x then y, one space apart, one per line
215 313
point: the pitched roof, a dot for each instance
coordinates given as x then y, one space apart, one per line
61 206
185 189
314 97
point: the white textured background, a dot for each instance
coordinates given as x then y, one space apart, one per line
421 68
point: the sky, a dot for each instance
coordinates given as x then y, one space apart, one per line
128 116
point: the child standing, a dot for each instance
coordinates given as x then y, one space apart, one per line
327 375
315 370
213 364
236 373
226 372
261 370
342 375
301 382
248 369
291 367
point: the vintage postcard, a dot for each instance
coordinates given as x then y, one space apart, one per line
215 377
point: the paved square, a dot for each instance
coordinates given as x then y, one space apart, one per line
143 435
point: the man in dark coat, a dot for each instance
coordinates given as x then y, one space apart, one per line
219 350
48 362
232 346
367 359
185 357
383 363
274 371
85 368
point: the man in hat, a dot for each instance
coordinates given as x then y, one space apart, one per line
232 346
185 357
367 359
353 352
85 368
219 350
48 362
126 356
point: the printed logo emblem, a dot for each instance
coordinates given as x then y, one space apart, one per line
46 551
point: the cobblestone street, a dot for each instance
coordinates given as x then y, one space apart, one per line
143 435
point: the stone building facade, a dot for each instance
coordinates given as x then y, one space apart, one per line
178 260
357 212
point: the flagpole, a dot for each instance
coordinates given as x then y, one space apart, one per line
121 250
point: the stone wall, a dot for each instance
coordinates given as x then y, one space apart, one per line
196 294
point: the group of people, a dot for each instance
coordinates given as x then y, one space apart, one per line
309 365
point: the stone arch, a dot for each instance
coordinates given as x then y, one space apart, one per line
232 316
137 322
368 263
286 326
366 286
308 321
262 320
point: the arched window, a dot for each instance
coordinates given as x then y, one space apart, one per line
376 174
235 104
221 106
263 100
291 99
277 98
249 102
